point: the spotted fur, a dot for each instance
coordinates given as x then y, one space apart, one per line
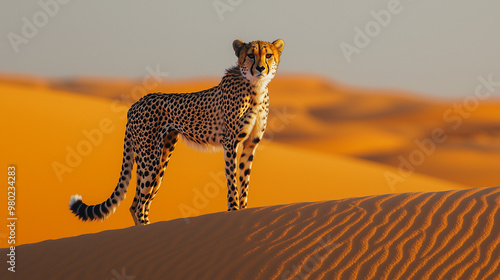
226 116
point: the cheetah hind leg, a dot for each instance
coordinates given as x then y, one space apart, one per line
149 176
168 148
149 180
152 174
135 202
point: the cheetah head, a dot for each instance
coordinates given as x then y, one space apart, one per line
258 61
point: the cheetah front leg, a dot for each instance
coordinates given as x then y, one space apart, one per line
245 166
230 149
249 147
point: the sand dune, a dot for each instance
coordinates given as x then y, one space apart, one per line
388 126
324 142
433 235
69 144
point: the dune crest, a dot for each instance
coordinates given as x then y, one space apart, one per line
432 235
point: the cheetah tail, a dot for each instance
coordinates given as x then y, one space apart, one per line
102 211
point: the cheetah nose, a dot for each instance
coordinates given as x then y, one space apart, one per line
260 68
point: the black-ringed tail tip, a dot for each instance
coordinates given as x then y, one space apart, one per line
90 212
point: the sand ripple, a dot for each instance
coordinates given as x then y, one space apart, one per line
435 235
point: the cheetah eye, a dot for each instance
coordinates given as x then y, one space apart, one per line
251 56
269 55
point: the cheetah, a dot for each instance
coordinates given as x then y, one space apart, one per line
224 116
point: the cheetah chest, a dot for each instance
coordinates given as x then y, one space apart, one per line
253 116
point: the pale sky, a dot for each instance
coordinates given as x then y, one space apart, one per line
430 47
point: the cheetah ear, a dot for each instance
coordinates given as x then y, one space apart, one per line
237 45
279 44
